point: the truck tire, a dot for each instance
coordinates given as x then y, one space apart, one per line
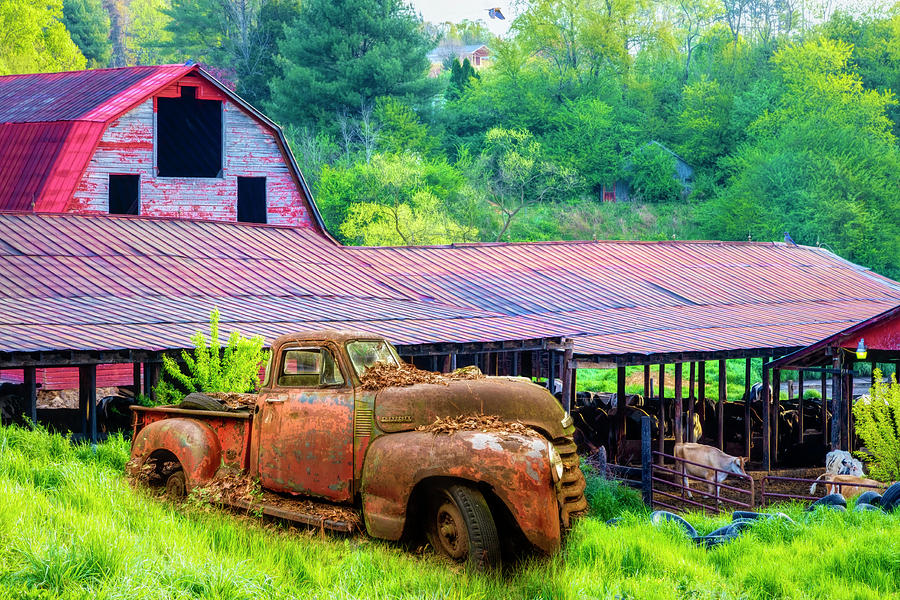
198 401
176 486
459 525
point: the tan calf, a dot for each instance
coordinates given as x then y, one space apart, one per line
713 458
851 485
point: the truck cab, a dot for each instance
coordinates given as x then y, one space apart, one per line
315 432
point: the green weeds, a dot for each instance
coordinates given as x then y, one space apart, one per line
72 528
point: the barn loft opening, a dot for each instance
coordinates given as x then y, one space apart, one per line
251 200
124 195
189 136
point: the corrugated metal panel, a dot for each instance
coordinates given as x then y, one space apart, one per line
101 282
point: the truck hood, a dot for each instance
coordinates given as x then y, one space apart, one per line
511 398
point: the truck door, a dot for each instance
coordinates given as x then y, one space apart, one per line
306 429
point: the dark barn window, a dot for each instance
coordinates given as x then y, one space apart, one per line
124 194
189 136
251 200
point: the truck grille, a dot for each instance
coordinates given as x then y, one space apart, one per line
571 487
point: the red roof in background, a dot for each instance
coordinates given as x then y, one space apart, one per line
71 282
50 124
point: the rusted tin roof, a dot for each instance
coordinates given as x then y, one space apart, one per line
78 282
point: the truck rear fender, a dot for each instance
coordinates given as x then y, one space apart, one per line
193 443
514 468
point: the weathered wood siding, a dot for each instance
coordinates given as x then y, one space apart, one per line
251 150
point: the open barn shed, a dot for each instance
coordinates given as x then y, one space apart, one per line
107 294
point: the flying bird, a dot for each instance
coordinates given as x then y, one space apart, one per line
495 13
788 240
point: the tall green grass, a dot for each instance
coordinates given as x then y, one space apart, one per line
71 527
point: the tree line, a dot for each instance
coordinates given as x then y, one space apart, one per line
783 108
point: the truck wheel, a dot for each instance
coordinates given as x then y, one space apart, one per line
176 486
460 525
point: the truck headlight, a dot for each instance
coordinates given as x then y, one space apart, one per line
556 462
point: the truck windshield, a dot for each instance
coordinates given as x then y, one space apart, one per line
365 353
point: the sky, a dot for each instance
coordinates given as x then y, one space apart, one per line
438 11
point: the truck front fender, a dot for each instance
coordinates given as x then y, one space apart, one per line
193 443
515 467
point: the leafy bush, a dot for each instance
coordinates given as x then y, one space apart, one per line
209 368
878 424
653 176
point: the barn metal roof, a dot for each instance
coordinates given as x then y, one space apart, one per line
78 282
51 123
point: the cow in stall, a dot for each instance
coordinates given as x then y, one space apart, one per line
712 458
114 413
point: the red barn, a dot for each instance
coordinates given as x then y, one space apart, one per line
163 141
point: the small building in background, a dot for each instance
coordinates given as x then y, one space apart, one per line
162 141
621 191
477 54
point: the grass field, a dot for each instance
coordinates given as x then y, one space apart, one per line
71 527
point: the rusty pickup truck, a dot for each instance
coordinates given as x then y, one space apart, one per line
315 432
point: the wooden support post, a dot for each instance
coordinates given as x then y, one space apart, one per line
646 462
434 364
720 408
701 390
748 412
574 392
776 412
647 391
691 406
620 412
873 366
836 402
567 380
515 364
82 402
136 378
800 416
766 400
87 389
826 440
679 405
30 381
846 409
151 378
551 368
661 428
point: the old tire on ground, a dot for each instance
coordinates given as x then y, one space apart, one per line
873 498
176 486
835 501
198 401
459 525
658 516
890 500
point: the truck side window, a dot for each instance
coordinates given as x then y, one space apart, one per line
309 367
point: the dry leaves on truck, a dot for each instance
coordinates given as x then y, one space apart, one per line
382 375
475 422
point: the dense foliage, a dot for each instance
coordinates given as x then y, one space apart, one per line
784 110
878 425
210 368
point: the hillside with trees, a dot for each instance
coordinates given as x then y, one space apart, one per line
784 111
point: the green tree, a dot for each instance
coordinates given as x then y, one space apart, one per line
703 124
33 38
88 25
339 56
401 130
239 35
515 173
148 40
460 74
822 164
